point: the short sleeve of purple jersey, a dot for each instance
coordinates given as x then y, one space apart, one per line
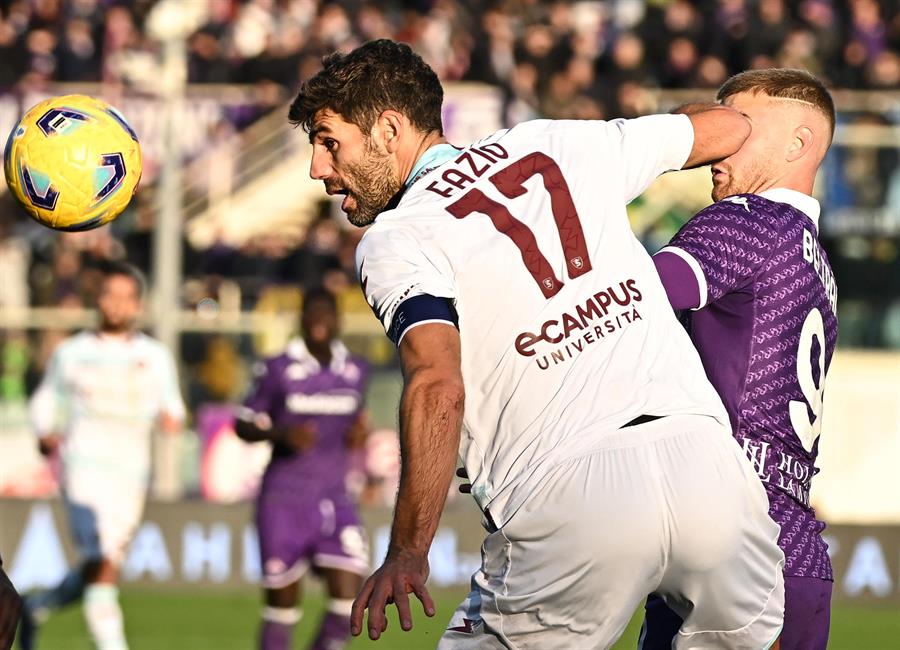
725 245
265 391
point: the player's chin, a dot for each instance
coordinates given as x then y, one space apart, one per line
361 217
720 191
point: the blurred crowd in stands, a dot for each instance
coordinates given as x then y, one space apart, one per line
587 59
559 58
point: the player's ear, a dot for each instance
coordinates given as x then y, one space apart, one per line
390 125
803 140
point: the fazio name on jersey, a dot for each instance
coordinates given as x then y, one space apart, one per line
469 166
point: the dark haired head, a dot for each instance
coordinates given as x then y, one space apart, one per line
319 295
110 269
373 78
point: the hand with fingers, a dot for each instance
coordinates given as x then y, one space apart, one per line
401 574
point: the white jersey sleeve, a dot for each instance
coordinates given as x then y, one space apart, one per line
649 146
48 405
395 268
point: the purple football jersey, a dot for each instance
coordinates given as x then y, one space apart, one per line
766 334
293 389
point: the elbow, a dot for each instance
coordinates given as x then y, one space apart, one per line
441 391
448 393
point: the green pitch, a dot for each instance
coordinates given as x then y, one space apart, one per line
205 620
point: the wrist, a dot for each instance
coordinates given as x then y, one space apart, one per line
397 551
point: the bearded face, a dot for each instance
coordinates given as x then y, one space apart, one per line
740 175
367 183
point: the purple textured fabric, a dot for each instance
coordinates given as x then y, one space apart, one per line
295 533
334 632
766 339
678 280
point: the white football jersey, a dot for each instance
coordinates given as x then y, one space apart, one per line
104 395
566 330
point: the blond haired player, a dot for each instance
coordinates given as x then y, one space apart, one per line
99 400
529 318
765 322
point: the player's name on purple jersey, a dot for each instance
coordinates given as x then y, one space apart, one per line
766 332
293 389
812 253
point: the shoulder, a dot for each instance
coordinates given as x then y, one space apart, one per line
389 228
72 345
359 363
152 345
355 370
528 132
76 341
748 213
401 235
85 341
270 368
276 363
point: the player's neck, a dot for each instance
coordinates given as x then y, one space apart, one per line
115 333
798 180
321 353
805 186
421 146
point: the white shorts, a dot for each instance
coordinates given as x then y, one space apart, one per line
671 507
104 514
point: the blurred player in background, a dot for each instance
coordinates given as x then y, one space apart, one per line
96 407
10 610
528 314
308 402
764 296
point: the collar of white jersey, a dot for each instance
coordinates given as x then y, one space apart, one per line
297 350
435 156
803 202
125 337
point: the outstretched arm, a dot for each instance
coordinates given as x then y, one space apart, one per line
719 131
431 411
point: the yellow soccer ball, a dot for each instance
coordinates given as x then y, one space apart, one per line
73 162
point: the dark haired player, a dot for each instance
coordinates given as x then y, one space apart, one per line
528 316
102 395
763 294
308 402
